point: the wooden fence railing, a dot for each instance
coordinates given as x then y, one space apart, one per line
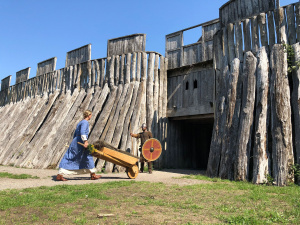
180 55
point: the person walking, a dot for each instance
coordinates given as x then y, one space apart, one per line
77 160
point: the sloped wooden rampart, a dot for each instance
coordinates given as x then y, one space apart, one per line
123 91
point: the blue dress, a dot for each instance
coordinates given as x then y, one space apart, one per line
76 156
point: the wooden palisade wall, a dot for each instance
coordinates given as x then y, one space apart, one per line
39 123
252 137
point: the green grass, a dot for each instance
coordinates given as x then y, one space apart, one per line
17 176
216 202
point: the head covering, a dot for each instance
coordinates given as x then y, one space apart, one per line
144 125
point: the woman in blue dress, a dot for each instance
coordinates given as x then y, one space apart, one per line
77 160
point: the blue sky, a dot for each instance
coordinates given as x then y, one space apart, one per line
33 31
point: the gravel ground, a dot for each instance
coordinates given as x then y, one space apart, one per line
47 178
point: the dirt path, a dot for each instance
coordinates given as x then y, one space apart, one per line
47 178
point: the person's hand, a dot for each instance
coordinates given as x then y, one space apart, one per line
131 134
86 144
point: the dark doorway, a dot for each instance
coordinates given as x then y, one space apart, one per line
190 143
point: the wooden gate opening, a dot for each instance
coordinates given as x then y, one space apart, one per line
191 143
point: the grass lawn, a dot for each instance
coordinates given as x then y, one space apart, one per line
217 202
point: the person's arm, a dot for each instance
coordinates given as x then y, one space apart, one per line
84 127
135 135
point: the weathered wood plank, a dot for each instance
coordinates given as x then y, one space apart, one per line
272 40
128 66
296 103
280 26
254 34
260 151
227 152
155 97
149 91
138 66
133 67
297 14
231 52
291 24
261 18
241 170
219 125
239 51
247 35
133 112
282 147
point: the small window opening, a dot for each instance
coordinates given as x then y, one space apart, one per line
187 85
195 84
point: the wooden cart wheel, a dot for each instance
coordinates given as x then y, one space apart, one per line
132 172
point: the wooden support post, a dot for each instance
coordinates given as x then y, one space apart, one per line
272 40
280 26
297 13
291 24
128 66
260 150
231 49
247 35
282 147
254 34
227 153
138 67
241 170
296 103
239 51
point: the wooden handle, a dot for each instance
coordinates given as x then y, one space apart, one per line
80 144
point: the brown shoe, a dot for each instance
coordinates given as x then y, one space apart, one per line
150 172
60 178
95 177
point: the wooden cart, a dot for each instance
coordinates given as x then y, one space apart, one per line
120 158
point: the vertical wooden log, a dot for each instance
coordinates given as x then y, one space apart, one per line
160 95
138 67
117 70
155 97
231 49
282 148
225 47
133 113
296 102
122 65
219 125
164 105
111 72
291 24
280 26
149 97
102 72
297 12
272 40
239 41
247 35
263 30
143 82
260 150
93 73
246 118
226 152
97 69
133 67
128 65
254 34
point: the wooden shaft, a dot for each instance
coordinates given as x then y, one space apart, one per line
109 158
